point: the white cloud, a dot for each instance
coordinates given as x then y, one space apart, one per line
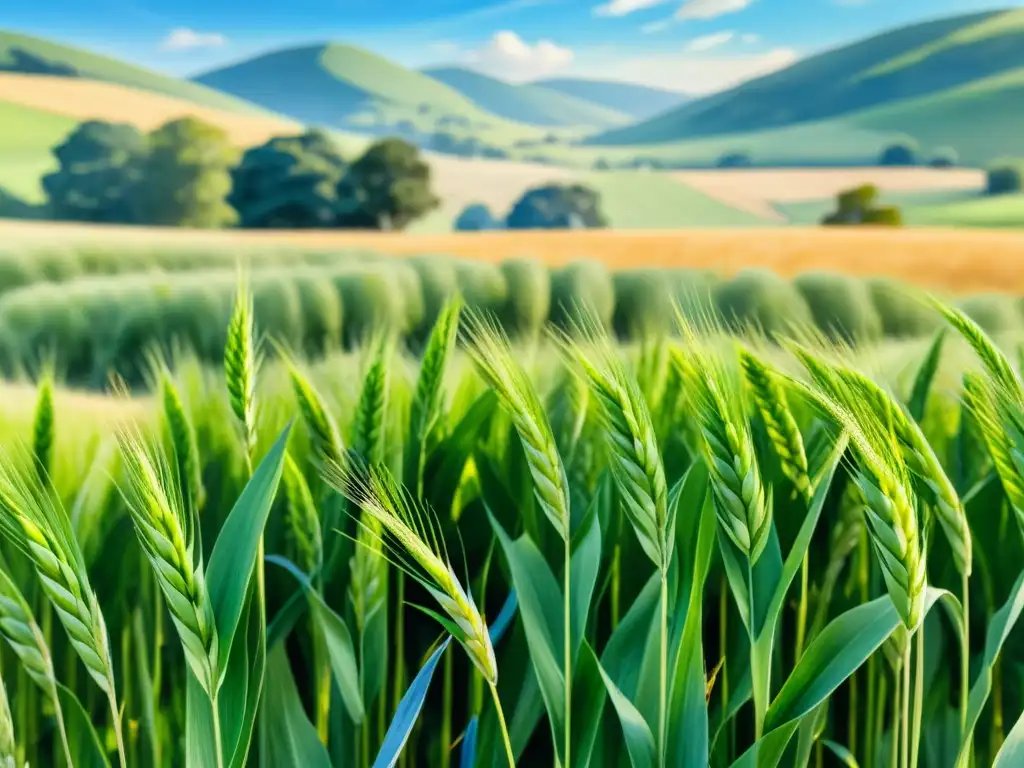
184 39
707 42
750 38
656 26
687 72
624 7
710 9
508 56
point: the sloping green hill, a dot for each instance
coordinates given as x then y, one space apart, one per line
22 53
340 85
906 63
531 104
638 101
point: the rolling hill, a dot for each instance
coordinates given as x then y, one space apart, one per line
533 104
638 101
908 63
31 55
339 85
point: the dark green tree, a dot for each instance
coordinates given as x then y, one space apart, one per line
557 206
98 166
387 188
1004 179
476 217
289 182
901 153
859 206
186 176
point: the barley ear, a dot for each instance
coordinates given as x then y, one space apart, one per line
323 431
181 436
411 533
241 363
636 463
428 395
303 520
770 398
997 364
492 353
7 745
165 532
43 428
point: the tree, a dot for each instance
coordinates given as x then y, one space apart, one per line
735 160
555 206
98 166
387 188
476 217
900 153
944 157
289 182
858 206
1004 179
186 176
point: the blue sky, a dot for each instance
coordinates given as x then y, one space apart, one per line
688 45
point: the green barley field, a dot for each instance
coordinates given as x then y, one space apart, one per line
469 536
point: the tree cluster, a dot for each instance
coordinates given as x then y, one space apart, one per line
550 206
859 206
187 173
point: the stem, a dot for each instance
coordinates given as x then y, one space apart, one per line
112 698
364 739
663 681
616 570
869 731
217 739
322 683
915 743
504 728
905 733
895 740
446 712
879 721
399 686
567 649
801 611
965 653
759 681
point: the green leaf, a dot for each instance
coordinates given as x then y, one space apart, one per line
999 628
144 680
337 639
635 731
291 738
234 554
84 742
540 605
1011 754
925 376
588 697
373 653
688 710
242 691
200 746
842 753
584 566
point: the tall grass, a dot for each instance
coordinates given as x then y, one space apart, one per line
610 534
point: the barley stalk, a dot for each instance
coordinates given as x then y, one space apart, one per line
43 428
490 349
33 519
884 483
241 362
727 447
181 436
165 532
302 518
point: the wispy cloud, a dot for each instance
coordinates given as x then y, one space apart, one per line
710 9
625 7
508 56
749 38
656 26
185 39
707 42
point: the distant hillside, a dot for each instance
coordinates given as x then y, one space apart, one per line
532 104
340 85
907 63
638 101
31 55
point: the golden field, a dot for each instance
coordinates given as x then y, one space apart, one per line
964 261
83 99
